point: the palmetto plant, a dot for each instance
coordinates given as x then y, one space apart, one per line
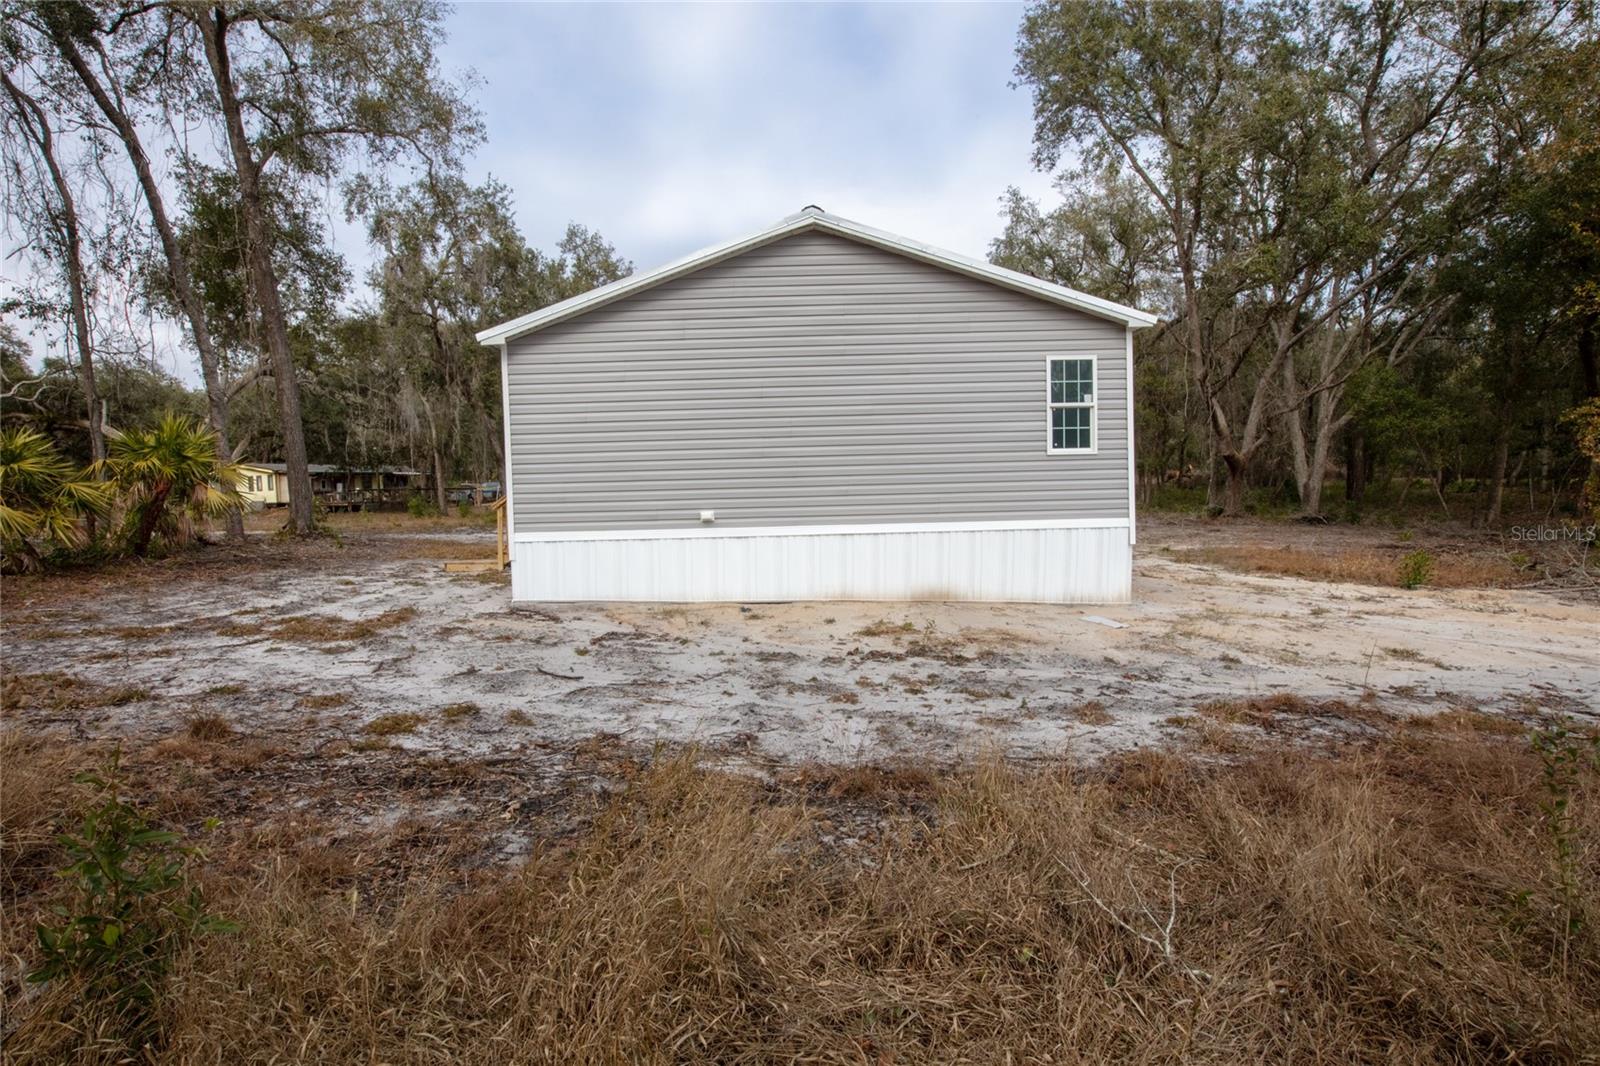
169 477
43 498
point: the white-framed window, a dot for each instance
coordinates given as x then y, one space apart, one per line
270 485
1069 396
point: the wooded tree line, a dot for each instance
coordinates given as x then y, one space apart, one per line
1372 231
177 163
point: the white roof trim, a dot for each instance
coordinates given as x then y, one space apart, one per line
815 219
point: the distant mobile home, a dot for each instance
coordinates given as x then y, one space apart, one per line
339 488
821 410
263 484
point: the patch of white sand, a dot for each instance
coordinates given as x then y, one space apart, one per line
795 682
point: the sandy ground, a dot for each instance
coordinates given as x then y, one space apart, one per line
768 685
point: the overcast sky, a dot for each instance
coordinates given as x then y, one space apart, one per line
668 128
671 127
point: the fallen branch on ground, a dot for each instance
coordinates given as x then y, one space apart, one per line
1162 945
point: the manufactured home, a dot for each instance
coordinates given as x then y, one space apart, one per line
338 488
263 485
821 410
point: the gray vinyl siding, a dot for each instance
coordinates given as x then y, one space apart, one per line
811 381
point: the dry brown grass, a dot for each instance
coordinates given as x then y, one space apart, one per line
210 728
1367 566
1261 710
1091 712
864 781
455 712
324 701
36 789
61 692
1397 903
321 628
442 550
224 753
344 523
1286 709
388 725
141 632
1471 720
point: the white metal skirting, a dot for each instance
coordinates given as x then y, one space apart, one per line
1057 563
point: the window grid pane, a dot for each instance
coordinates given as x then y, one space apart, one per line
1071 380
1069 428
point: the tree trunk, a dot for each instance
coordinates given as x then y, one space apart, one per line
177 261
1438 490
1497 470
33 117
1213 472
1324 425
1301 463
1318 406
263 278
1295 429
1235 462
1502 437
148 519
1355 466
1311 491
438 479
1233 488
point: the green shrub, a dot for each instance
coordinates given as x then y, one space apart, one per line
1566 757
133 906
422 507
464 509
1416 568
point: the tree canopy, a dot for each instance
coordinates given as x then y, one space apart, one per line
1305 191
1372 233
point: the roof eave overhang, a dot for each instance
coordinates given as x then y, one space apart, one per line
825 223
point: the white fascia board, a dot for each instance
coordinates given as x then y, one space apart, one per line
732 532
826 223
1133 481
505 429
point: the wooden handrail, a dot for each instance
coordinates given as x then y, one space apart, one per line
500 554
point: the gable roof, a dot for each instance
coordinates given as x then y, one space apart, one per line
814 219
